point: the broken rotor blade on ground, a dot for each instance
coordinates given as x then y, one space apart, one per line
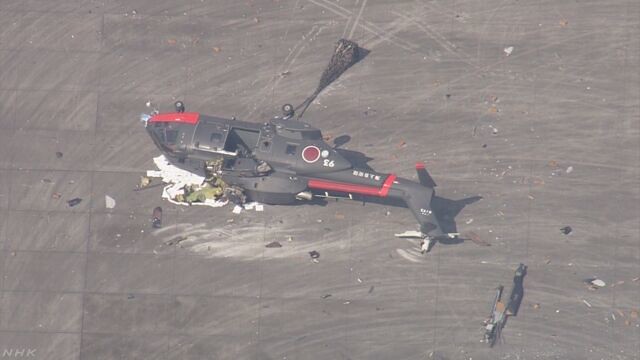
345 54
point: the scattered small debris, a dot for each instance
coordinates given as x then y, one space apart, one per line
314 255
259 207
621 282
326 296
109 202
508 50
633 314
595 282
73 202
131 296
156 220
144 182
216 49
531 197
448 96
569 170
387 213
475 238
402 144
548 261
273 244
566 230
172 41
59 154
484 146
635 279
45 180
493 109
359 280
371 289
237 209
346 302
256 20
586 303
536 306
285 73
469 221
175 241
564 23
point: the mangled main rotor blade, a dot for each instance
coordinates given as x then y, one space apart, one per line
344 56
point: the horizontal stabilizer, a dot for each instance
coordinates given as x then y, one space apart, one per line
423 176
411 235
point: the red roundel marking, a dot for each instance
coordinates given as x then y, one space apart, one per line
311 154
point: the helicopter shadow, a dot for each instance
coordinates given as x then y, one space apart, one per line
446 210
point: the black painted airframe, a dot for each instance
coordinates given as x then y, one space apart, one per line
285 161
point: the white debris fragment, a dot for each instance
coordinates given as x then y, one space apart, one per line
569 169
586 303
598 283
259 207
249 206
109 202
469 221
189 173
237 209
508 50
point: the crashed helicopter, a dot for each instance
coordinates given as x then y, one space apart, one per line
286 161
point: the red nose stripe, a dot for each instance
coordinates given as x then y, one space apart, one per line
352 188
419 165
183 118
